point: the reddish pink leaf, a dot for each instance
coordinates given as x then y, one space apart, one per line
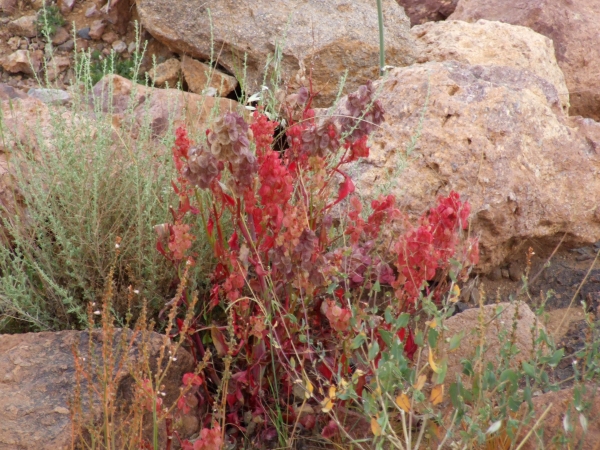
219 341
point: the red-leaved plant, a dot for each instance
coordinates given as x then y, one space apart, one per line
300 268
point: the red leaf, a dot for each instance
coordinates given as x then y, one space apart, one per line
346 188
330 430
308 421
233 242
219 341
210 226
192 379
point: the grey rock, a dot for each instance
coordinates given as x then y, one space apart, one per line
50 96
84 33
67 46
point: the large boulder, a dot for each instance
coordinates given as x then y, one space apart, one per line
573 27
487 42
496 135
327 36
499 319
561 407
160 108
421 11
37 381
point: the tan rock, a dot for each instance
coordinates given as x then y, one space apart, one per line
497 136
97 29
168 72
66 6
156 53
572 26
61 36
499 319
8 6
25 26
160 107
37 381
329 36
56 66
553 423
197 76
109 37
485 42
23 61
25 120
421 11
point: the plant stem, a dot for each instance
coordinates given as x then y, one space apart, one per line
381 39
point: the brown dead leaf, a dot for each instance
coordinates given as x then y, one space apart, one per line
437 394
403 402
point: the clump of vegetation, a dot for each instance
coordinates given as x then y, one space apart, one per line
314 316
113 63
50 19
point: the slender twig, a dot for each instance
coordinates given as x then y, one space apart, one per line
381 39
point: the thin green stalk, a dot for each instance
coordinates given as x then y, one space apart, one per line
381 39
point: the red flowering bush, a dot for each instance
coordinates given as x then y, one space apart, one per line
298 286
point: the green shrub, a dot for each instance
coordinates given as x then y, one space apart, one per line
49 20
88 184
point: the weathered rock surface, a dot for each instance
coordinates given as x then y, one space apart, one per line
37 379
498 137
97 29
160 107
23 61
65 6
50 96
25 26
486 42
26 121
168 72
421 11
8 6
328 36
499 318
553 425
197 76
573 27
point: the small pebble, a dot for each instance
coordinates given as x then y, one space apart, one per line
119 46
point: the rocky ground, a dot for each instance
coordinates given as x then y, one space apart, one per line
502 95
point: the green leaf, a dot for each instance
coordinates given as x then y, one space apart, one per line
388 316
419 338
511 377
432 337
387 337
467 367
402 320
514 404
527 397
376 287
553 360
358 341
373 351
455 340
529 369
454 392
